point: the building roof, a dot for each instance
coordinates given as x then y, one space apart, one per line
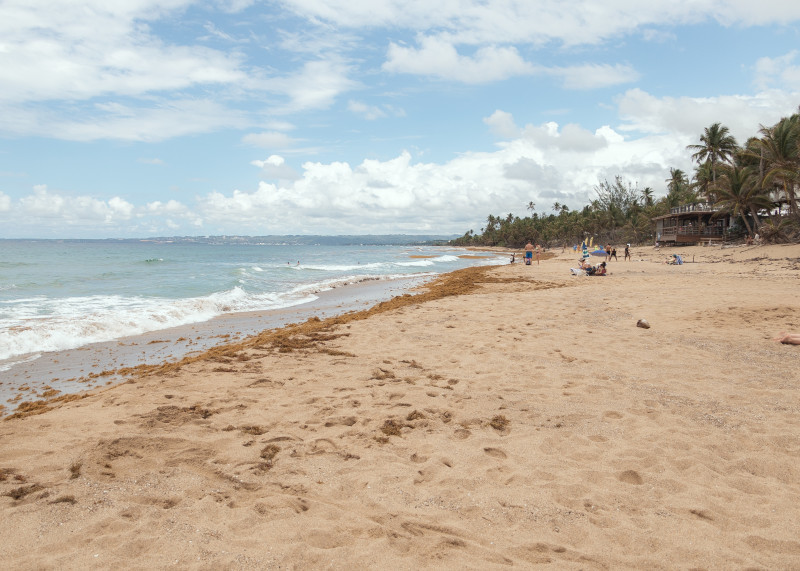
689 211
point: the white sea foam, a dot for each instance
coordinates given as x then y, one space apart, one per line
80 321
416 264
342 267
6 365
66 300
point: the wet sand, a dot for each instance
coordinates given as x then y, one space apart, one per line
94 365
513 416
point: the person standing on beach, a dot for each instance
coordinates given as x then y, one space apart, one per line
528 253
613 255
627 252
538 254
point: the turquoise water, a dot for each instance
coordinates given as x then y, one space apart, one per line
58 295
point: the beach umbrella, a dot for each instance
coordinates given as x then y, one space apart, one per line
599 253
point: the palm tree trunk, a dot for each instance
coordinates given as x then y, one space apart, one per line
756 220
746 223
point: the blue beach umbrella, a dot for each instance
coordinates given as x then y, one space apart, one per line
599 253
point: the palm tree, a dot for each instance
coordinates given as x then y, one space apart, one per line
678 188
716 145
647 195
779 148
740 194
703 183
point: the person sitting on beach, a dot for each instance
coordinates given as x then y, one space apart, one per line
583 268
676 260
788 338
597 271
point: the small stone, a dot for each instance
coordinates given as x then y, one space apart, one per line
643 324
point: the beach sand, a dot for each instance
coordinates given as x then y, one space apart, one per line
512 416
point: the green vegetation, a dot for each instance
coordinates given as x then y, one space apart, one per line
756 184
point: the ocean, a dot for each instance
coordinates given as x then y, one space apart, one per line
60 295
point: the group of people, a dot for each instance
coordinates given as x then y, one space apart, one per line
585 268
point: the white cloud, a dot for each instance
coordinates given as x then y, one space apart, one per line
502 124
438 57
369 112
582 22
781 72
372 112
164 120
171 207
121 208
593 76
74 210
5 202
80 50
687 116
547 162
539 163
275 167
315 86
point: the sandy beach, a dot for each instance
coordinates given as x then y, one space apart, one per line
509 416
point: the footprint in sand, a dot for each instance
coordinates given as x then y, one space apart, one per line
462 433
612 414
495 453
631 477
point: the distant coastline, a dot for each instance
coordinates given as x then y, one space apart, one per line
273 240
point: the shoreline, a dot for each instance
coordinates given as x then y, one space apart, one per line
97 365
504 416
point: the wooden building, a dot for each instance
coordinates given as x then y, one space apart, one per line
692 224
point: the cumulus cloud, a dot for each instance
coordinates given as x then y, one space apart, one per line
780 72
569 138
402 195
171 207
502 124
688 116
440 58
72 210
539 163
275 167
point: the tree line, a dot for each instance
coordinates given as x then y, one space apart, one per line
757 184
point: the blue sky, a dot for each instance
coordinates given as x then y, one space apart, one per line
138 118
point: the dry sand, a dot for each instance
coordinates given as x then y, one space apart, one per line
512 417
